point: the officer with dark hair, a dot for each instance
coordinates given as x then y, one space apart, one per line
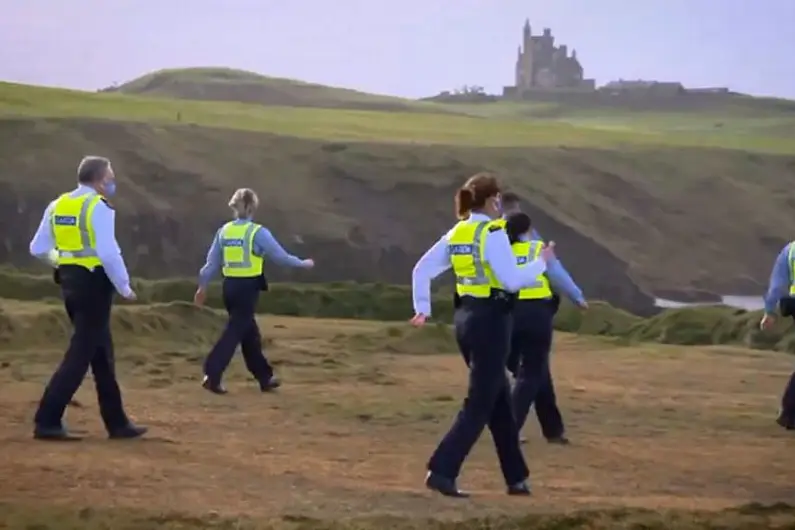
531 339
781 293
486 277
77 236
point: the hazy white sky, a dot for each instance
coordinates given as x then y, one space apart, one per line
411 48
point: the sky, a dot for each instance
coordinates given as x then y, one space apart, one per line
411 48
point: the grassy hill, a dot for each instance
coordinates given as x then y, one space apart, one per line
638 199
226 84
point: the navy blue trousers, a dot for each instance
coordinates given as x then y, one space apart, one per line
88 297
531 343
788 399
787 307
482 329
240 297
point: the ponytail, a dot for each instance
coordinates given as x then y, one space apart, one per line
464 200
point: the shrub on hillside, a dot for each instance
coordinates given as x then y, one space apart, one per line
686 326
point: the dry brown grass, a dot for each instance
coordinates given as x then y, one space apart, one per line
656 427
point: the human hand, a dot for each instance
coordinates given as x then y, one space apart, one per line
130 296
548 252
583 304
308 263
418 320
767 321
200 297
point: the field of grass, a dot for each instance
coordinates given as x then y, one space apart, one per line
366 126
663 437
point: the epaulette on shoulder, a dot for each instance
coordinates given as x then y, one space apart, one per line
495 228
107 203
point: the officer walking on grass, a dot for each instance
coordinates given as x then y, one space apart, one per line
77 236
781 293
531 340
486 277
238 251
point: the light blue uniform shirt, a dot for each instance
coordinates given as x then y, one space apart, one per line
780 281
103 221
265 246
498 254
559 278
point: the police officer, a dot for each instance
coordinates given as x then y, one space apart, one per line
77 235
531 340
546 406
486 274
781 292
238 251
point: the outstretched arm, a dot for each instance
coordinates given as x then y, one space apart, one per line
779 281
43 242
212 266
266 246
561 281
503 263
433 263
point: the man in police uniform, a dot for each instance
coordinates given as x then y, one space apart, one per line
781 293
77 236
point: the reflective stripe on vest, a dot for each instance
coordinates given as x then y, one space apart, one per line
791 261
72 230
237 246
525 252
466 245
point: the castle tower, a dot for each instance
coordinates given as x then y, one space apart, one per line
527 35
524 77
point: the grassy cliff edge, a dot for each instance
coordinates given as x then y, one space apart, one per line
713 325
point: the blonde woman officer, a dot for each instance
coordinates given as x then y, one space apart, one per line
238 251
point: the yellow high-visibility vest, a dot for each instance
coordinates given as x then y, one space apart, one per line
525 252
237 245
75 242
466 244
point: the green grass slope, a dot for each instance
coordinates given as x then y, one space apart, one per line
365 192
172 313
226 84
364 126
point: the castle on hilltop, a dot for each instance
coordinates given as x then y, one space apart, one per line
540 65
547 72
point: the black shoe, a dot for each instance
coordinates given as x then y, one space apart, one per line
128 432
271 384
786 421
443 485
559 440
54 434
520 488
215 388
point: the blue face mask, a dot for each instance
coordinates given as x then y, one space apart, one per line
109 188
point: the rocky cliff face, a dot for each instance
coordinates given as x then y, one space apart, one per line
366 212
